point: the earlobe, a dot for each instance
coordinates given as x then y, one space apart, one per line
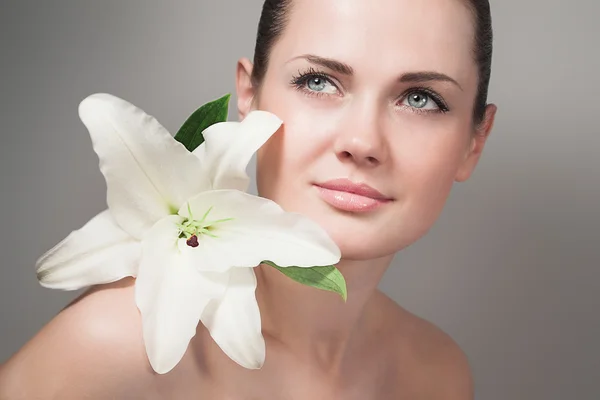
477 143
244 88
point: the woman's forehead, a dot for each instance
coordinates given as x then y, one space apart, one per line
383 36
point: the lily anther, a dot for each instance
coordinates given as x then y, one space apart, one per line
191 228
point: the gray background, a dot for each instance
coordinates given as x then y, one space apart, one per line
511 268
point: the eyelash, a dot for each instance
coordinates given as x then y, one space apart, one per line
301 79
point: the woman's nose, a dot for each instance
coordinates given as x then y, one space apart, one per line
361 139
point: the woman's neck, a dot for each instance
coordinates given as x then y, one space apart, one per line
314 323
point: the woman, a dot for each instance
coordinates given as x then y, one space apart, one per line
386 99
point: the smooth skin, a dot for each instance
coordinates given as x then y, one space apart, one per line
367 126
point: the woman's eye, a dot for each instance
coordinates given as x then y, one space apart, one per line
421 101
321 85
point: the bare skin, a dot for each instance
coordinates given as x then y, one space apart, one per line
93 350
360 126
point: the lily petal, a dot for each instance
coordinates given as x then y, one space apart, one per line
148 173
99 252
234 322
260 230
171 295
229 146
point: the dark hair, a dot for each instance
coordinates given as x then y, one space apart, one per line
275 13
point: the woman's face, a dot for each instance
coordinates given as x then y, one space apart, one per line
378 93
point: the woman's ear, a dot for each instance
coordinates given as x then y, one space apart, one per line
244 88
477 143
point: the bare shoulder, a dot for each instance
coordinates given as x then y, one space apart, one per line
426 360
91 349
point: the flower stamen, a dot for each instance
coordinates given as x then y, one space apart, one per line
191 229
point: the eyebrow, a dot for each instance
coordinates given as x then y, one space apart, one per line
408 77
427 76
330 63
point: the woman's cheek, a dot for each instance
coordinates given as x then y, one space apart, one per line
427 176
306 139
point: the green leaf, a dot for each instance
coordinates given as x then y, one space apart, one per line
190 133
327 278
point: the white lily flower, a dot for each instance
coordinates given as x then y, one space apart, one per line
182 223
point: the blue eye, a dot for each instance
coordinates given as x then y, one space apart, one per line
313 82
421 101
320 84
424 100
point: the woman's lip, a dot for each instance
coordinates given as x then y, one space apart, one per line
346 185
351 202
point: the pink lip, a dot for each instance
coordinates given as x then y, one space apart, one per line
349 196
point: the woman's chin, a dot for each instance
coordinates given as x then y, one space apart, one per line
360 235
357 241
361 249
